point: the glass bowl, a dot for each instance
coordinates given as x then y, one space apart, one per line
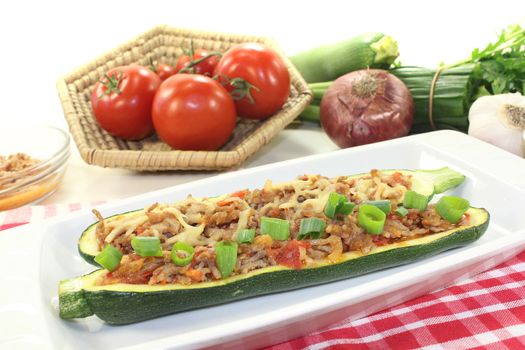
50 146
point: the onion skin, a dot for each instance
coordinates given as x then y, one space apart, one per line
353 116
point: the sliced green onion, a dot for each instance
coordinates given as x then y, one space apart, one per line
226 257
384 205
334 202
146 246
414 200
246 235
371 218
109 258
346 208
277 228
401 211
452 208
182 253
313 227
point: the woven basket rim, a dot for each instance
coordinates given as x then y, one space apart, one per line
161 28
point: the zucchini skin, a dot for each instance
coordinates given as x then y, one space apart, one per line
329 62
124 307
86 256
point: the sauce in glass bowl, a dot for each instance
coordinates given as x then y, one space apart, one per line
32 163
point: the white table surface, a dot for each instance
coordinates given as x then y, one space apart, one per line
42 40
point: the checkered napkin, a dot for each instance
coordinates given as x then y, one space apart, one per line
483 312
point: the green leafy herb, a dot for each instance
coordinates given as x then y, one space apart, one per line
501 64
497 68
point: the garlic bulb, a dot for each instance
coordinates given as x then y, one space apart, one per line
499 120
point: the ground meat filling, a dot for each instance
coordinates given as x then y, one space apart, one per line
204 222
12 165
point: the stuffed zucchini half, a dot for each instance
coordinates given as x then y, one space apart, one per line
390 185
206 251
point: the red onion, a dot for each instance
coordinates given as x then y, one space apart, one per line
366 106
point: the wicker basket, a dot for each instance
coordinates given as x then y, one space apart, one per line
165 44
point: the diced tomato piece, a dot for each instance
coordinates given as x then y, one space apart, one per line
195 275
392 216
289 255
380 240
238 194
304 244
274 213
241 194
397 176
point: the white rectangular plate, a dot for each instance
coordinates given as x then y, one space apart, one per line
34 258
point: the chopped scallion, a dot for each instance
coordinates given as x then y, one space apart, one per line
109 258
337 204
384 205
246 235
414 200
371 218
146 246
401 211
334 202
182 253
278 229
452 208
313 227
346 208
226 257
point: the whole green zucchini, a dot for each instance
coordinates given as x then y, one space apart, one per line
329 62
127 303
427 182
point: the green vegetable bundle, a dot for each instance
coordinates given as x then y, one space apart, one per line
499 68
450 102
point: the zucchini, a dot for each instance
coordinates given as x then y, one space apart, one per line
127 303
427 182
325 63
87 244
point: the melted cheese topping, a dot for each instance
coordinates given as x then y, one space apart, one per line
319 195
189 228
191 234
127 225
298 187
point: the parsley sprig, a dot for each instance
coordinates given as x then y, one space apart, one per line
500 65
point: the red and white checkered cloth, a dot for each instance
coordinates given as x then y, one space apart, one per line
483 312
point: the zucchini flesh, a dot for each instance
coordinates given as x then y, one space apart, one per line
128 303
426 182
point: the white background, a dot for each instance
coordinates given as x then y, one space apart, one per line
41 40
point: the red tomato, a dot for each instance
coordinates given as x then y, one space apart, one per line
261 67
182 62
164 71
193 112
289 255
122 100
207 66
